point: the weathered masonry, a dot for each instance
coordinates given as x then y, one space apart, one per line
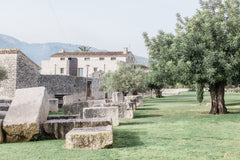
24 73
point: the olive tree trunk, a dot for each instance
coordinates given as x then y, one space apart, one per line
158 93
217 98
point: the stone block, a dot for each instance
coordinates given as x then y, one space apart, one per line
28 109
53 105
74 108
58 128
4 106
102 112
69 99
125 110
96 103
137 100
117 97
89 138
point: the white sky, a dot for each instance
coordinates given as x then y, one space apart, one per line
104 24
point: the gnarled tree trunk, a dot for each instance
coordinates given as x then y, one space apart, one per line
217 98
158 93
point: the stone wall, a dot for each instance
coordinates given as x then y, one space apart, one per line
27 73
69 85
8 86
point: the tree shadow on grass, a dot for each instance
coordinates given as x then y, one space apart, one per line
146 116
233 104
122 139
135 123
144 109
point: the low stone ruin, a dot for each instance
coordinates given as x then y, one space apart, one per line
58 128
117 97
89 138
74 108
53 105
95 103
125 110
28 109
102 112
137 100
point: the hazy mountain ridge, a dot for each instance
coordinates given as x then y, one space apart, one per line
42 51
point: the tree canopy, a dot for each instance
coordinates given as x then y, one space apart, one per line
205 50
126 79
84 48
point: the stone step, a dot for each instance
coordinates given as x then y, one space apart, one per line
58 128
90 138
74 116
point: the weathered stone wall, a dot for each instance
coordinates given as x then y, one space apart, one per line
27 73
8 86
62 85
96 94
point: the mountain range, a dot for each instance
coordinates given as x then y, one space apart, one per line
42 51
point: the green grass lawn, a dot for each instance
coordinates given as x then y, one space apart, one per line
173 127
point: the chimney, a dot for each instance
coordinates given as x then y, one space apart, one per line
125 50
61 51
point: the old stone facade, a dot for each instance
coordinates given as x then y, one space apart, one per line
22 72
87 62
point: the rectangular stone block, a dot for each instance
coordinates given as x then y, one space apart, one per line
58 128
102 112
137 100
117 97
125 110
53 105
28 109
75 108
89 138
95 103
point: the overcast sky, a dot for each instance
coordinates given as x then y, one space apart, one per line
104 24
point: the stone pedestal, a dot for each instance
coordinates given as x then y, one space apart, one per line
53 105
89 138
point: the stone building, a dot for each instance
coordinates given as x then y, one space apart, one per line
22 72
84 64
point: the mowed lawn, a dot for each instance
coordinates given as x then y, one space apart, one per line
173 127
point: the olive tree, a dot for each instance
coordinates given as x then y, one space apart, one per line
205 49
126 79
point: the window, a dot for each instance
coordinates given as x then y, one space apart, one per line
113 58
101 59
87 59
62 70
62 59
95 69
80 72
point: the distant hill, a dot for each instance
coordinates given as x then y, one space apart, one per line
42 51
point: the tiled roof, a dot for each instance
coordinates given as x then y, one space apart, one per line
90 54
